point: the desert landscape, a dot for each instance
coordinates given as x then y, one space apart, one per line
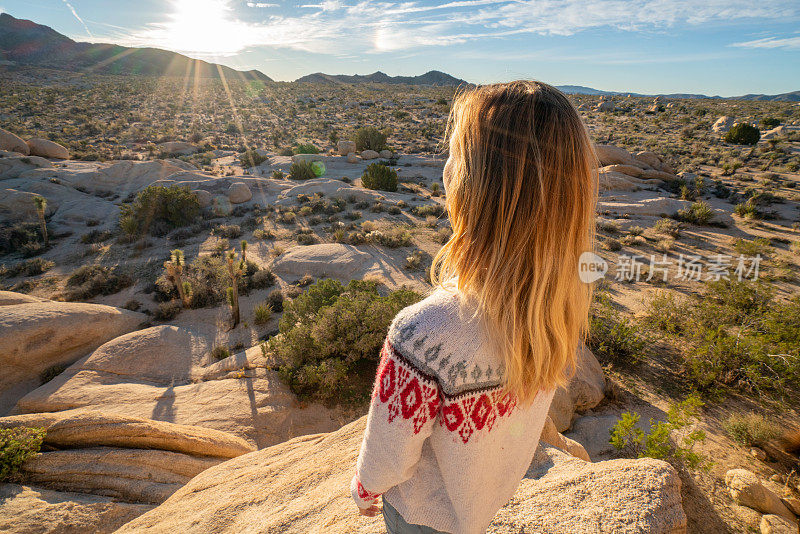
198 272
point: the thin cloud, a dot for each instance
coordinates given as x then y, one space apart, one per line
75 13
789 43
261 4
332 27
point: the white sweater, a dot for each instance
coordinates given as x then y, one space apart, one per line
444 444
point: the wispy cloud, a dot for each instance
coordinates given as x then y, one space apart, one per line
212 27
75 14
790 43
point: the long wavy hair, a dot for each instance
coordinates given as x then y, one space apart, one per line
521 189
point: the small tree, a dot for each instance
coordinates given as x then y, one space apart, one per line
743 134
41 205
236 267
174 269
369 138
333 137
244 250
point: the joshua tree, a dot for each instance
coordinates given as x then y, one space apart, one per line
41 205
235 270
244 251
174 269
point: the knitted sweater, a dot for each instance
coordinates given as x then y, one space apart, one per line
444 444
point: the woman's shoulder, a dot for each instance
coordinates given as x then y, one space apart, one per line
443 336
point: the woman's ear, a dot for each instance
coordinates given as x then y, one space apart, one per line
447 173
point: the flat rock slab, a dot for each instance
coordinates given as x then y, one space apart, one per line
32 510
165 373
133 475
86 428
302 486
333 260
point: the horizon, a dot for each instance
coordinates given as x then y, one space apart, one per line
642 47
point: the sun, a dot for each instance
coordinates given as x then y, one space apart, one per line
203 27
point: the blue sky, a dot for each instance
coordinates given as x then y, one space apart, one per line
724 47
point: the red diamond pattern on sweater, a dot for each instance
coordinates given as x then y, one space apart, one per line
407 393
363 494
414 396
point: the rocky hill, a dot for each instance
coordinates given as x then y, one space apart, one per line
433 77
24 42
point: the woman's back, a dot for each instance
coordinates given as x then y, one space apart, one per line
441 430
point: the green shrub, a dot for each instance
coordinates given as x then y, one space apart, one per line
262 314
699 213
88 281
751 429
306 148
302 170
166 311
228 231
369 138
426 210
742 134
275 301
18 445
14 237
251 158
747 210
331 336
380 177
392 238
667 227
770 122
157 210
659 442
220 352
612 337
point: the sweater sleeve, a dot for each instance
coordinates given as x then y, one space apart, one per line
405 405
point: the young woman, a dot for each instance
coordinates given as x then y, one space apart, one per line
467 375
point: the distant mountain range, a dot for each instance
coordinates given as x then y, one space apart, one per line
794 96
26 43
23 42
433 77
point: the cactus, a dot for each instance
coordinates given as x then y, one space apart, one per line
41 205
174 269
235 270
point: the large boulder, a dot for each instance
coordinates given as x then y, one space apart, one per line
13 143
346 147
177 147
553 437
166 373
746 489
330 188
28 510
585 390
723 124
775 524
657 207
302 484
370 154
9 297
614 155
35 336
47 149
20 206
238 192
334 260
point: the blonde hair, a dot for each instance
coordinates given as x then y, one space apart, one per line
521 193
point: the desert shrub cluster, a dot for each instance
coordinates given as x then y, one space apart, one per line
90 281
331 336
735 334
208 279
369 138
